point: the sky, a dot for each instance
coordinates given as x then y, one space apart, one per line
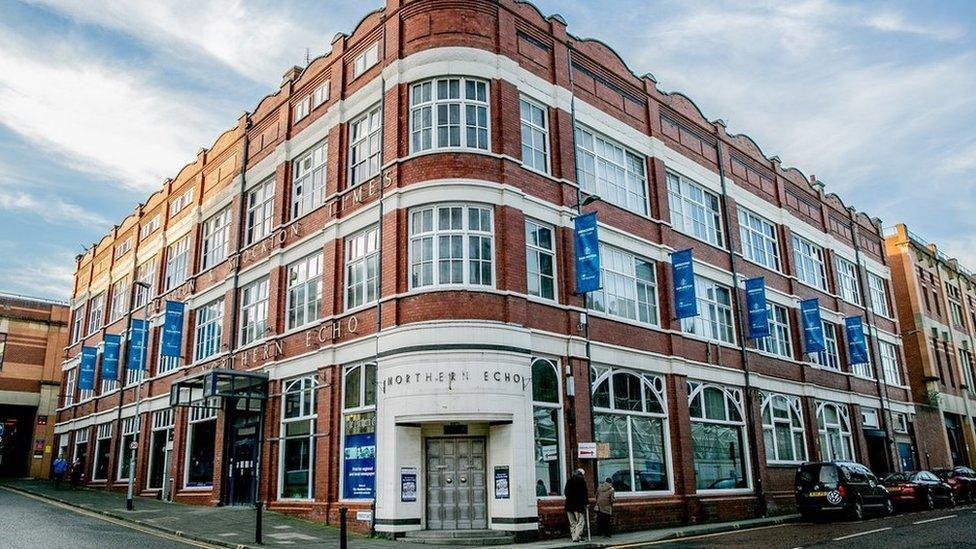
101 101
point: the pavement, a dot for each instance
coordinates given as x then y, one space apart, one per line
234 526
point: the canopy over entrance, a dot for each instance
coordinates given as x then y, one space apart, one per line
217 384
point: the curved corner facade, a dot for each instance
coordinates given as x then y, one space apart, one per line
389 237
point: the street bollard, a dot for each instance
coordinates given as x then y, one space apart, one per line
342 528
258 523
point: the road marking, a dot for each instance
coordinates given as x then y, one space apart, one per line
875 531
112 520
934 519
689 538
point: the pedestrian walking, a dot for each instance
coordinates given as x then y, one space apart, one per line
60 470
604 508
577 498
77 470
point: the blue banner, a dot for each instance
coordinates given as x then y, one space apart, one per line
359 466
86 372
587 254
857 347
813 334
756 305
172 338
137 345
683 278
110 356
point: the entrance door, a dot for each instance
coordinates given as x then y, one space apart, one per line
456 481
876 452
242 456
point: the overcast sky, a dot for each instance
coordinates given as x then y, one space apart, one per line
102 101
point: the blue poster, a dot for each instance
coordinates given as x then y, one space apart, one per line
683 277
172 339
756 305
359 466
857 347
110 356
86 372
813 334
587 254
137 345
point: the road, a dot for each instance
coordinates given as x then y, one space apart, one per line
28 523
940 528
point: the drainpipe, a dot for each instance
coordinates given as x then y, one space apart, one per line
743 352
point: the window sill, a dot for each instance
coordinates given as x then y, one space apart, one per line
724 492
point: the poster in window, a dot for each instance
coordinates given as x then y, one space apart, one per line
359 457
408 484
502 490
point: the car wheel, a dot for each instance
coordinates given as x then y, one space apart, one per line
929 501
889 508
857 511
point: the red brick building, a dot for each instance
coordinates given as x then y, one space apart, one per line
388 237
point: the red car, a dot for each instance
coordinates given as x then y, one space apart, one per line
962 480
919 490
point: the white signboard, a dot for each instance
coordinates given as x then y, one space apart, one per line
364 516
550 452
586 450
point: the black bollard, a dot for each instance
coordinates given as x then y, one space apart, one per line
258 523
342 528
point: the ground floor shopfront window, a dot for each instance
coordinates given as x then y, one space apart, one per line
201 438
130 429
834 424
103 452
359 432
546 426
297 438
717 436
81 445
630 417
162 427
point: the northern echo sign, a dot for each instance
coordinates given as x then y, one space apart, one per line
464 377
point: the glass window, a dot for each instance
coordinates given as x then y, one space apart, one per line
834 424
69 386
162 426
449 113
366 59
830 357
201 435
547 427
629 286
535 135
215 239
77 321
259 213
694 210
605 168
359 432
630 416
714 320
304 290
210 326
146 274
540 260
365 148
308 181
96 313
81 444
177 256
889 362
164 363
120 299
451 245
759 240
847 281
955 304
300 110
782 421
879 295
130 430
103 452
320 95
717 436
254 311
809 263
297 448
362 268
779 341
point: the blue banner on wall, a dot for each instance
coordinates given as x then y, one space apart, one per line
359 466
587 254
172 339
756 305
813 334
683 277
86 372
110 356
857 347
137 345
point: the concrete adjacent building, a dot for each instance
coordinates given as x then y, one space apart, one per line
936 298
33 335
384 247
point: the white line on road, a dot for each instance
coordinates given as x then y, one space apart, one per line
862 533
700 536
934 519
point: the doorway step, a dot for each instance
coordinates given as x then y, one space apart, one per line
456 538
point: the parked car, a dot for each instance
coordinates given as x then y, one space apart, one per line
919 490
962 480
839 488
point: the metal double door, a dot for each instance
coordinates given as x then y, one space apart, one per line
456 484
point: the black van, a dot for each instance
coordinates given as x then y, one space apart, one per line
843 488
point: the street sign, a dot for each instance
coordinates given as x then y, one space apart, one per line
133 445
586 450
364 516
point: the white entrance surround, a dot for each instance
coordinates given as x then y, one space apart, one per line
490 392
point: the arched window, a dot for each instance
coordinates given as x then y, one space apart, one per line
629 415
717 436
782 421
834 424
547 427
297 450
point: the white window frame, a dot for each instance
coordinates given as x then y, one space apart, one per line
426 115
306 387
216 239
420 236
889 362
808 259
308 180
123 248
899 422
363 407
320 95
365 60
954 297
77 323
715 320
209 329
779 341
177 263
259 211
794 423
733 401
146 273
537 131
103 434
695 210
149 228
195 415
539 251
618 271
362 251
759 239
843 430
847 281
556 408
598 156
120 299
301 109
303 299
181 202
162 420
365 145
69 387
830 357
254 311
96 313
81 437
879 295
130 428
165 364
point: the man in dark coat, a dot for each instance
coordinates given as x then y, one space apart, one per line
577 497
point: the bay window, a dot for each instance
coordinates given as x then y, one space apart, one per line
605 168
782 423
297 438
451 245
717 436
449 113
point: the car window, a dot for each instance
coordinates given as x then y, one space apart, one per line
897 477
928 476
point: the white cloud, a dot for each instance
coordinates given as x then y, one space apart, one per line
51 209
890 21
49 274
